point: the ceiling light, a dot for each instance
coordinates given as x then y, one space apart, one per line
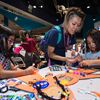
34 6
88 7
56 19
41 6
28 1
93 18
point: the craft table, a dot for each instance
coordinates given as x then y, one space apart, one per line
81 89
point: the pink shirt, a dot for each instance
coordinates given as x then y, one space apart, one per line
17 49
30 46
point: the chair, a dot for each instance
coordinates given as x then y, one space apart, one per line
18 61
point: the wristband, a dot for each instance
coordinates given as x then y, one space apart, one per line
26 72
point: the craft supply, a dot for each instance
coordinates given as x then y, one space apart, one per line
48 74
18 97
98 94
20 82
83 75
80 92
70 71
77 72
55 68
74 72
4 89
82 89
67 71
64 93
30 83
64 82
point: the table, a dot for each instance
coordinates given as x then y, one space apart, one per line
81 89
86 85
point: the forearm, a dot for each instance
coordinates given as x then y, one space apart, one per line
95 61
56 57
11 73
14 67
90 62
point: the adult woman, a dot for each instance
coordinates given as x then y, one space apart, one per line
7 69
73 22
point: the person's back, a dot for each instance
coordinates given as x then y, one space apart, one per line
30 46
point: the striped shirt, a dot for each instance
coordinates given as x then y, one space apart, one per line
5 62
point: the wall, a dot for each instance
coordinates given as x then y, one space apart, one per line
89 23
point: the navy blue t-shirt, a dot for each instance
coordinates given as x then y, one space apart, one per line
59 48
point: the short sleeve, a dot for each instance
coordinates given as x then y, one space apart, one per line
84 57
33 41
52 38
73 41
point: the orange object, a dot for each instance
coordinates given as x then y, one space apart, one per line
69 77
98 94
51 90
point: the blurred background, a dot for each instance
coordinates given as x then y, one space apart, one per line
38 16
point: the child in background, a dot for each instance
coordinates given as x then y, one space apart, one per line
92 56
7 69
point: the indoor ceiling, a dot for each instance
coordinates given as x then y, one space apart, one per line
55 8
52 12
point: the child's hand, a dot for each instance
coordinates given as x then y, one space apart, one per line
86 62
78 58
31 70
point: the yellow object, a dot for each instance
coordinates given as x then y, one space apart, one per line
64 82
78 88
65 93
49 68
68 92
70 71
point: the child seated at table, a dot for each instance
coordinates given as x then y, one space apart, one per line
92 56
7 69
